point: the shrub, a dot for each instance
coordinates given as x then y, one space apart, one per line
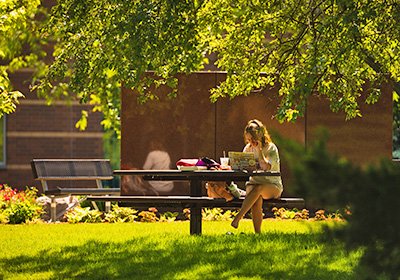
295 214
282 213
186 213
317 175
83 215
121 214
18 207
149 216
217 214
330 182
168 216
374 223
118 215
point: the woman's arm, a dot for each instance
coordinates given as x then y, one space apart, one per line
264 162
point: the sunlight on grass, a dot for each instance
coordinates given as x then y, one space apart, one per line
285 250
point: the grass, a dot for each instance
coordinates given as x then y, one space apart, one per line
286 250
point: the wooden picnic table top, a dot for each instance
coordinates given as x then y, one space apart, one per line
195 174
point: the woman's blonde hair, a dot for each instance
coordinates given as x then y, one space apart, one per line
258 132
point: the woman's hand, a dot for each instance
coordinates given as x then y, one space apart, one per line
260 146
263 161
264 164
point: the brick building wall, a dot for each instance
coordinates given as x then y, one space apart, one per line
37 130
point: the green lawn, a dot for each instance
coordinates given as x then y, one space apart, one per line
286 250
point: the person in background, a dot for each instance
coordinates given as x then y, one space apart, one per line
158 159
258 141
135 185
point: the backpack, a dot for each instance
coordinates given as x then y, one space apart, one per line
217 189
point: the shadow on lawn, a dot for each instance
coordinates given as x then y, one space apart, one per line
269 256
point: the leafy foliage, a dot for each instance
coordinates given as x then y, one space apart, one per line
319 176
329 47
332 48
294 214
121 214
18 207
20 45
369 197
372 223
102 44
8 99
217 214
112 151
168 216
303 214
83 215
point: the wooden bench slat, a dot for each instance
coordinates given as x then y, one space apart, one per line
157 199
77 168
79 178
203 200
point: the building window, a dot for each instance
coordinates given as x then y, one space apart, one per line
2 141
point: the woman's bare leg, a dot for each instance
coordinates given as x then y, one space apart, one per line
248 202
255 193
257 215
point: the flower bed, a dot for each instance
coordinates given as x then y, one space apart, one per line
18 207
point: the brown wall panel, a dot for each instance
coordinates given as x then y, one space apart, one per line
184 125
191 126
362 140
233 115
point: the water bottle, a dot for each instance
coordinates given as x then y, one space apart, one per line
234 190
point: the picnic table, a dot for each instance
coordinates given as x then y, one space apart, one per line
195 201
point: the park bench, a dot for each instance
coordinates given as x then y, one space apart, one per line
73 172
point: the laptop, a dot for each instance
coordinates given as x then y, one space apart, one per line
242 161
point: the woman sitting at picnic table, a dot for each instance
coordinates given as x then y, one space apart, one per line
258 141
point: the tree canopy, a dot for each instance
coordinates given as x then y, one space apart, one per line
331 48
19 46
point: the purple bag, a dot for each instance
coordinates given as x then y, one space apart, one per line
205 161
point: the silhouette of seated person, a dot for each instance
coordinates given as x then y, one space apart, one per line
158 159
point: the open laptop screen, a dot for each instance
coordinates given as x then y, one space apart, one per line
242 160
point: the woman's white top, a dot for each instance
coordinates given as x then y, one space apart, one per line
272 155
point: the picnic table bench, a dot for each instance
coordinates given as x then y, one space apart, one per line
73 170
195 201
